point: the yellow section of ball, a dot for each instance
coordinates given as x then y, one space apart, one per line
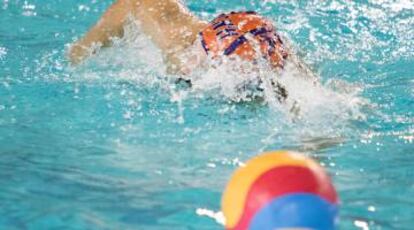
234 196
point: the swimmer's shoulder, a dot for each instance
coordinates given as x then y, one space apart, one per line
169 23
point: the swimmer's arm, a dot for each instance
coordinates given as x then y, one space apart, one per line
109 26
167 23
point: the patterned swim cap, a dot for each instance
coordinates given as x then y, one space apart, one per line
243 34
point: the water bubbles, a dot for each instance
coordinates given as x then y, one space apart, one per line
84 8
3 53
408 139
28 9
211 165
361 224
5 4
371 208
400 5
128 115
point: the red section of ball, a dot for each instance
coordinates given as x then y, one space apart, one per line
282 181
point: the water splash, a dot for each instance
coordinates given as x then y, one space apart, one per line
310 105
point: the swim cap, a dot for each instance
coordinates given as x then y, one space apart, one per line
242 33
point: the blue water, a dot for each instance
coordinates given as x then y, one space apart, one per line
114 144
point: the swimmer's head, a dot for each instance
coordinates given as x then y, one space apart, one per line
243 35
246 35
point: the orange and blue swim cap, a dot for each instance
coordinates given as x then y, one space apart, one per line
231 34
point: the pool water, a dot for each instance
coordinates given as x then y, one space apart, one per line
116 144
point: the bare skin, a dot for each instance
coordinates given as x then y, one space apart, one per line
168 23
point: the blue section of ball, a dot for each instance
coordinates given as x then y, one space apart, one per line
298 210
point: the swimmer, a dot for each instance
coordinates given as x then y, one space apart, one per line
186 41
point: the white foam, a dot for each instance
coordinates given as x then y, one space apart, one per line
3 53
136 60
217 216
